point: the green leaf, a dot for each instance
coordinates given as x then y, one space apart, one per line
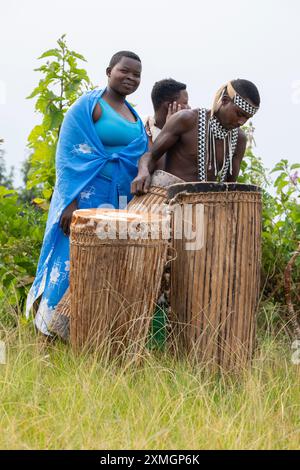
38 132
61 42
6 192
281 185
47 193
38 200
78 56
54 67
35 92
53 120
72 61
51 53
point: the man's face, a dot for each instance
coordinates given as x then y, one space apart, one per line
183 99
231 116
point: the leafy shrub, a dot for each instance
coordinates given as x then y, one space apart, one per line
280 220
62 83
22 228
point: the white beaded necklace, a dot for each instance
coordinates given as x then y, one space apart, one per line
207 134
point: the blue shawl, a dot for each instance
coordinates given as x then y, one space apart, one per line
80 156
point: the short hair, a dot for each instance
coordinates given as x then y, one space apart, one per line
247 89
116 58
166 90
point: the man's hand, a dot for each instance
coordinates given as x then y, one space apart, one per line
172 109
141 182
66 217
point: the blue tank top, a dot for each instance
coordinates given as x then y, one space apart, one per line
115 133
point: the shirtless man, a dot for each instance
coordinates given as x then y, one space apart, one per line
168 96
204 145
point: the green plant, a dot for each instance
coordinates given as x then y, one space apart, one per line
23 213
22 228
281 227
6 179
280 219
62 83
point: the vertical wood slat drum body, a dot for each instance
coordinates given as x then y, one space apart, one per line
215 288
113 281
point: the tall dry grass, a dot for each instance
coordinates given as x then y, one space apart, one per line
51 398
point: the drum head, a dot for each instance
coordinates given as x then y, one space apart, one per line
209 187
109 214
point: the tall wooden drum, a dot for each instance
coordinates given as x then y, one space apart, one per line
117 260
215 277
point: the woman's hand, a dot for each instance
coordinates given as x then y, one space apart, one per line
66 217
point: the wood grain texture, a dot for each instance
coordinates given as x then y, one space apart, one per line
215 289
114 283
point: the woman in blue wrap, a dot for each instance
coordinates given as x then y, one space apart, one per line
100 143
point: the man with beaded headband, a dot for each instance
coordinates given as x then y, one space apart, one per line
204 145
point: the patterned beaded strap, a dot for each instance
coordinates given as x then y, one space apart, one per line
234 139
202 144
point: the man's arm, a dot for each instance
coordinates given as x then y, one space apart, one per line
174 128
238 157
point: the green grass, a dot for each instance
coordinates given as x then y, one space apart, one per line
52 399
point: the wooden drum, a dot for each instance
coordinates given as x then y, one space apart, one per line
215 277
154 201
117 260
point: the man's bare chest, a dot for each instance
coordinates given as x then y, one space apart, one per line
189 147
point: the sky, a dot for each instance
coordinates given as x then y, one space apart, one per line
201 43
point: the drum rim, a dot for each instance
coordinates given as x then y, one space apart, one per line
118 215
210 187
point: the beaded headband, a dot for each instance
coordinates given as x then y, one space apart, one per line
242 103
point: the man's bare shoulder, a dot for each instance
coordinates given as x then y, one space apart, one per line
242 137
185 119
188 115
241 144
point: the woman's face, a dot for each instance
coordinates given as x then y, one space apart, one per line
125 76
